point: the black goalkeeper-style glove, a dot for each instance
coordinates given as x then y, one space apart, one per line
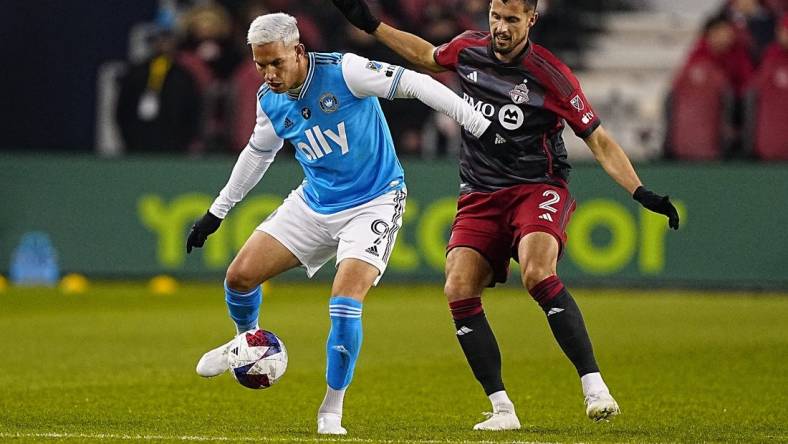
658 204
358 14
200 231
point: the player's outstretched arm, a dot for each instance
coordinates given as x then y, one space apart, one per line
412 48
366 78
414 85
252 163
437 96
617 165
613 159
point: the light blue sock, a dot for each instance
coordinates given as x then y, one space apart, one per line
243 307
344 341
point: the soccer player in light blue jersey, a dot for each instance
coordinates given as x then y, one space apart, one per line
351 201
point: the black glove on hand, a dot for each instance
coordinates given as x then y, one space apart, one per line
201 230
658 204
357 13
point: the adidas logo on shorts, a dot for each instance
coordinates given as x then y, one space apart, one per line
546 216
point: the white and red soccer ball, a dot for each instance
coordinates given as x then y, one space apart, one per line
258 358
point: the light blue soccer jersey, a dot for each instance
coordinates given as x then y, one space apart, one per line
338 130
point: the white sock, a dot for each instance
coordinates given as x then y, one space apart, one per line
593 383
500 401
238 331
332 403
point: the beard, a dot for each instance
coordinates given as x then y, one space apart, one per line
500 50
507 49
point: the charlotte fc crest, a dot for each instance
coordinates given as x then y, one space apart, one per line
520 92
328 103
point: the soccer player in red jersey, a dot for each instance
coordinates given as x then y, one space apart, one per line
514 200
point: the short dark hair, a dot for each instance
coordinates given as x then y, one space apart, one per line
530 5
714 21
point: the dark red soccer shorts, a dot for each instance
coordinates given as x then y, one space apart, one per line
493 223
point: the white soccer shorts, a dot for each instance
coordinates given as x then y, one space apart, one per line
366 232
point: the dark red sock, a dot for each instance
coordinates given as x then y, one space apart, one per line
466 308
547 290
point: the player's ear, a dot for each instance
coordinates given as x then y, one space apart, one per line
533 19
300 49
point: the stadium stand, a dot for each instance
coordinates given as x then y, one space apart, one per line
627 75
700 113
627 54
766 106
242 104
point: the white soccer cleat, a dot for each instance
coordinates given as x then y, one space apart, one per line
601 406
214 363
500 420
330 424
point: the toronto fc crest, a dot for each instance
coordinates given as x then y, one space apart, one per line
520 92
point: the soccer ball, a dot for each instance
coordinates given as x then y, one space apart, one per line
257 358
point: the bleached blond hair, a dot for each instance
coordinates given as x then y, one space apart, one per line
276 27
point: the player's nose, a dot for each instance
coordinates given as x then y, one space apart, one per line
266 71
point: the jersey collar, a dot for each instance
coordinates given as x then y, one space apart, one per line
515 61
299 94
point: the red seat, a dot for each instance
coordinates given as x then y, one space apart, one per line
699 113
197 68
778 6
771 113
243 104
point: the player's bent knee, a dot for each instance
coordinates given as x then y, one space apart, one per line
533 275
457 290
241 281
354 278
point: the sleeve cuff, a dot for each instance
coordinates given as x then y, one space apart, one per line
588 131
435 58
258 149
395 83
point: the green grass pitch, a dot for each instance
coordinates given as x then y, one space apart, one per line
116 364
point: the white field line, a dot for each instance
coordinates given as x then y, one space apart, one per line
122 437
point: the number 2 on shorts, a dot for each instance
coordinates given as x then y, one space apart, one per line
553 199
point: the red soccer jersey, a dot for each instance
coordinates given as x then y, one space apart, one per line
531 97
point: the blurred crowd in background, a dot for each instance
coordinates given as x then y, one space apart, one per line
728 99
195 90
710 88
